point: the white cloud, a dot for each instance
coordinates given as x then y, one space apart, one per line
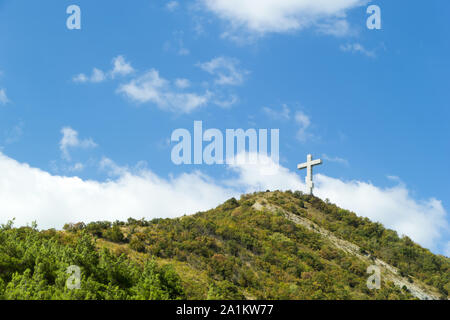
336 159
70 140
172 5
112 168
151 87
97 76
337 28
81 78
3 97
283 114
182 83
170 95
226 71
77 167
264 16
357 48
226 102
304 123
32 194
121 67
424 221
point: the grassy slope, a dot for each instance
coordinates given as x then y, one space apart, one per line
237 251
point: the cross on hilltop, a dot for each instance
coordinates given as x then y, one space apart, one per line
309 164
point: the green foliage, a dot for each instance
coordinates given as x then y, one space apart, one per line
137 242
224 290
231 252
114 234
158 283
33 266
374 239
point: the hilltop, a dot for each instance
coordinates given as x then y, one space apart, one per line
269 245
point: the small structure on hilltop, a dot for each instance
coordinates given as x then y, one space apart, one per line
309 164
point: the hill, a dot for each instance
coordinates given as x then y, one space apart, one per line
271 245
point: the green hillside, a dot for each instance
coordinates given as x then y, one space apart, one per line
272 245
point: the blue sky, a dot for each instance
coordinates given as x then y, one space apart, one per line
374 104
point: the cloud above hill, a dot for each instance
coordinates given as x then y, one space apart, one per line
120 68
178 95
30 194
153 88
278 16
70 140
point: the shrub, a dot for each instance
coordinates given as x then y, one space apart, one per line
74 227
114 234
137 244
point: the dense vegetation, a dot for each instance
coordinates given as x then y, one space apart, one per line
33 265
231 252
410 258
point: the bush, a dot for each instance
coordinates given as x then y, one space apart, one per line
114 234
230 204
137 244
224 290
74 227
33 267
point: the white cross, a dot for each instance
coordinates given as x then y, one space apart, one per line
309 164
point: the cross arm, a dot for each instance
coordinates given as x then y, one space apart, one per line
306 164
302 166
